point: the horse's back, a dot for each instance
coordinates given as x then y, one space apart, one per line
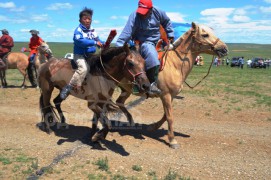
56 70
17 60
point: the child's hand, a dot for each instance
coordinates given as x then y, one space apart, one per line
99 44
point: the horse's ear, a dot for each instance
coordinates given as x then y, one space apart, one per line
126 48
194 25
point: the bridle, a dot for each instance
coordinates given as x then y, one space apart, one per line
124 66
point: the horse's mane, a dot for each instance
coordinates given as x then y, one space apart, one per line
106 55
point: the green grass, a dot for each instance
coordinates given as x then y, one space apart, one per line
102 164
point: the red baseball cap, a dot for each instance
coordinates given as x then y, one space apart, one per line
144 6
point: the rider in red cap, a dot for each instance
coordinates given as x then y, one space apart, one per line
143 26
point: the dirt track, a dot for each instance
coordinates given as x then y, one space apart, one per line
214 144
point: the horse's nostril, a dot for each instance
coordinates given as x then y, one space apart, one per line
145 87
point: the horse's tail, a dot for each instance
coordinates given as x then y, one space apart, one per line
42 107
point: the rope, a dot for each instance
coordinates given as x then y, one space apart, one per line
203 77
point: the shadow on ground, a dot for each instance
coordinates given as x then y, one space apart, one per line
72 133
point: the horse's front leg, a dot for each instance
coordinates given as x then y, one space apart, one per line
167 104
168 115
121 103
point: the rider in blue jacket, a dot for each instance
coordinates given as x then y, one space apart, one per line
85 41
143 26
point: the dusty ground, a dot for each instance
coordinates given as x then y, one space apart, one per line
216 141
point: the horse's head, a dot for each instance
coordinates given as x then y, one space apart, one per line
201 39
131 66
45 49
205 41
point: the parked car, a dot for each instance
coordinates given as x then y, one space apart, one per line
69 56
249 63
235 62
257 62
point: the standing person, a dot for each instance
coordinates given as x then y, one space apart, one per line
85 41
6 44
143 26
35 42
227 61
216 61
242 62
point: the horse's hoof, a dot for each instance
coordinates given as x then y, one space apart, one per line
174 146
97 137
62 126
97 145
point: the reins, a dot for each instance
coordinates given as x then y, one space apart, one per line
203 77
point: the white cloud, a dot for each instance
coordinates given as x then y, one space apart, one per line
3 18
24 30
7 5
119 17
39 18
114 17
20 9
240 11
50 25
267 1
175 16
237 18
265 9
217 12
12 7
96 21
57 6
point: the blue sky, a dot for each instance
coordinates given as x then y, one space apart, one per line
234 21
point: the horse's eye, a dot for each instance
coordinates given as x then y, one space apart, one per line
205 35
130 64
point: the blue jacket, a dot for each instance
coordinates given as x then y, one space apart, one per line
145 29
85 40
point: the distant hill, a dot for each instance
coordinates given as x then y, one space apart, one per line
235 49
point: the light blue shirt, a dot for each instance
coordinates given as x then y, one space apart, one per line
146 29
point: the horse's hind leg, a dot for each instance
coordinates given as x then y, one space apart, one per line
57 101
4 78
99 114
23 72
46 108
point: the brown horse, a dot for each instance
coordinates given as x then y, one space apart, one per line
178 64
15 60
106 72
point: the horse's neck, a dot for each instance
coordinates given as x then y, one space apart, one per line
184 47
41 57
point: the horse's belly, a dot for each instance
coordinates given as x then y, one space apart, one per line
95 88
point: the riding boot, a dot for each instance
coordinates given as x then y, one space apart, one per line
65 92
30 73
152 75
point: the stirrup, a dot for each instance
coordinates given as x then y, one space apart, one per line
154 89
